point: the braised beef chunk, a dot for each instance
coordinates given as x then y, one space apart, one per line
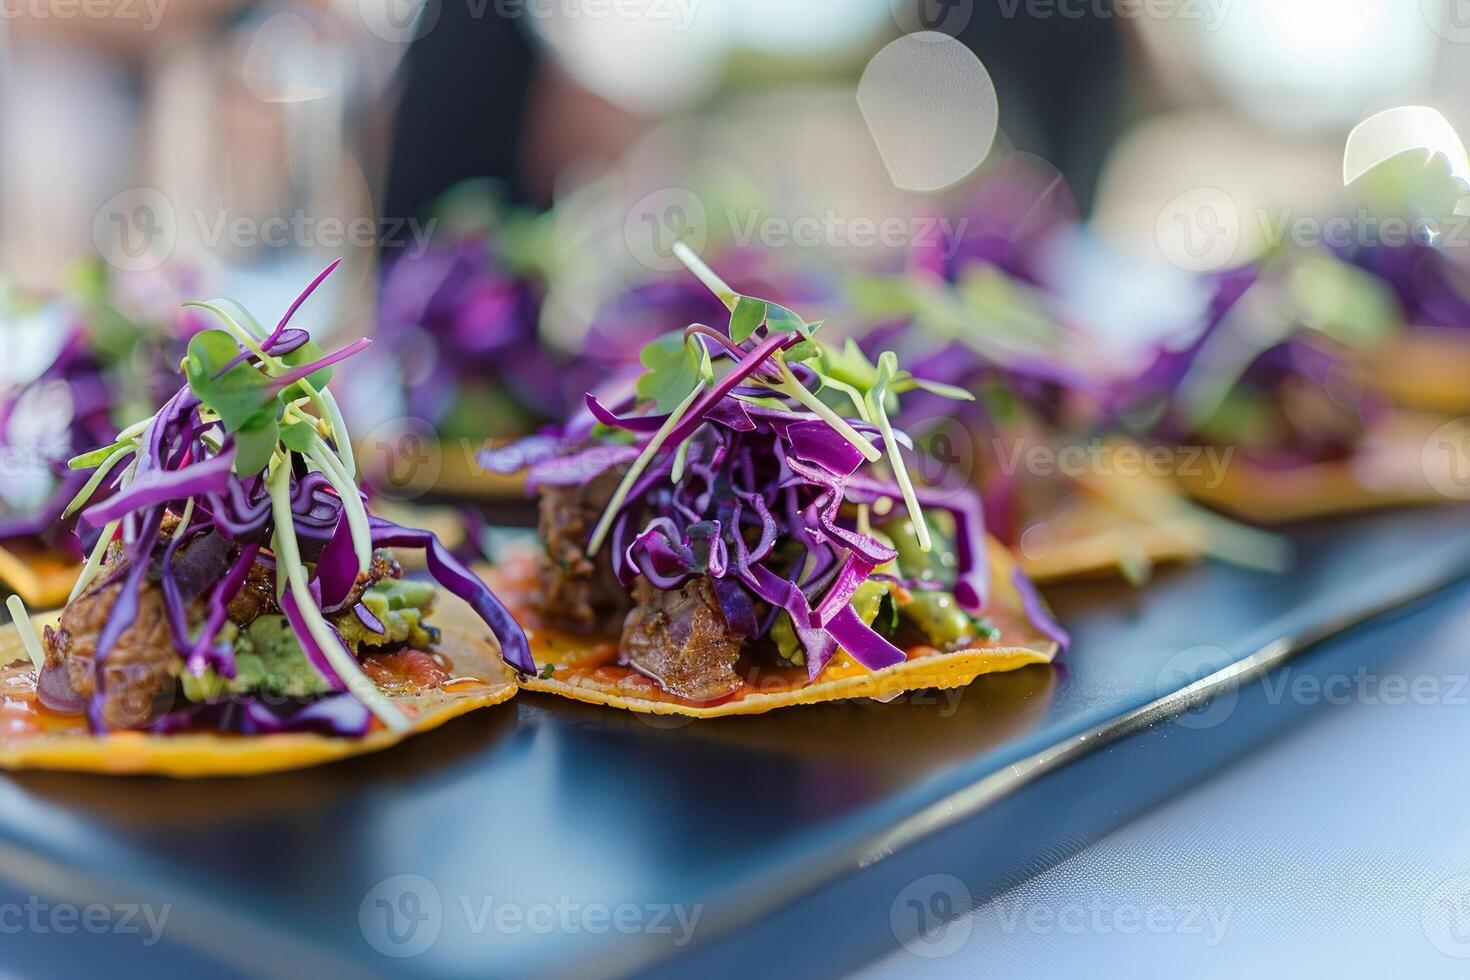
257 595
256 598
681 640
578 592
140 670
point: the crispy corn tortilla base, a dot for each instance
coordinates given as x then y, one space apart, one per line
620 687
472 653
1426 369
1389 470
1115 520
1094 536
1266 496
1103 553
42 579
460 476
937 670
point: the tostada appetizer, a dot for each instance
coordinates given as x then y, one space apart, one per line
242 611
54 403
742 532
1279 374
977 307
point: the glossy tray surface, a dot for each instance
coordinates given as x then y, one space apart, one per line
546 837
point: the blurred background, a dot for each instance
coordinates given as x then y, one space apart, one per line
236 147
505 178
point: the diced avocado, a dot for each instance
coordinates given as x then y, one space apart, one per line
935 565
939 616
867 601
205 688
868 598
788 644
401 605
269 658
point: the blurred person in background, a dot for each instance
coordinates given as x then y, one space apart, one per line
75 91
330 109
483 96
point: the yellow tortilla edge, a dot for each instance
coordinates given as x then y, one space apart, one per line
203 755
1425 369
1326 489
37 589
1156 531
937 671
931 671
460 476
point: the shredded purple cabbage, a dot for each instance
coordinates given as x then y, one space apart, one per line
762 507
187 455
63 411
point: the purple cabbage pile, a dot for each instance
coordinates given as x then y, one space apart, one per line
43 423
1303 395
749 486
458 323
231 473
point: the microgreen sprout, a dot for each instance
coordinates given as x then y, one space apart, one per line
678 369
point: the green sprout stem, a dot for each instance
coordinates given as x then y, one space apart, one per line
852 393
352 509
886 363
27 631
604 523
681 459
243 335
791 386
188 515
329 409
94 561
288 564
706 275
95 480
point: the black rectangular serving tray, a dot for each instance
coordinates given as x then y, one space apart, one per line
551 838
